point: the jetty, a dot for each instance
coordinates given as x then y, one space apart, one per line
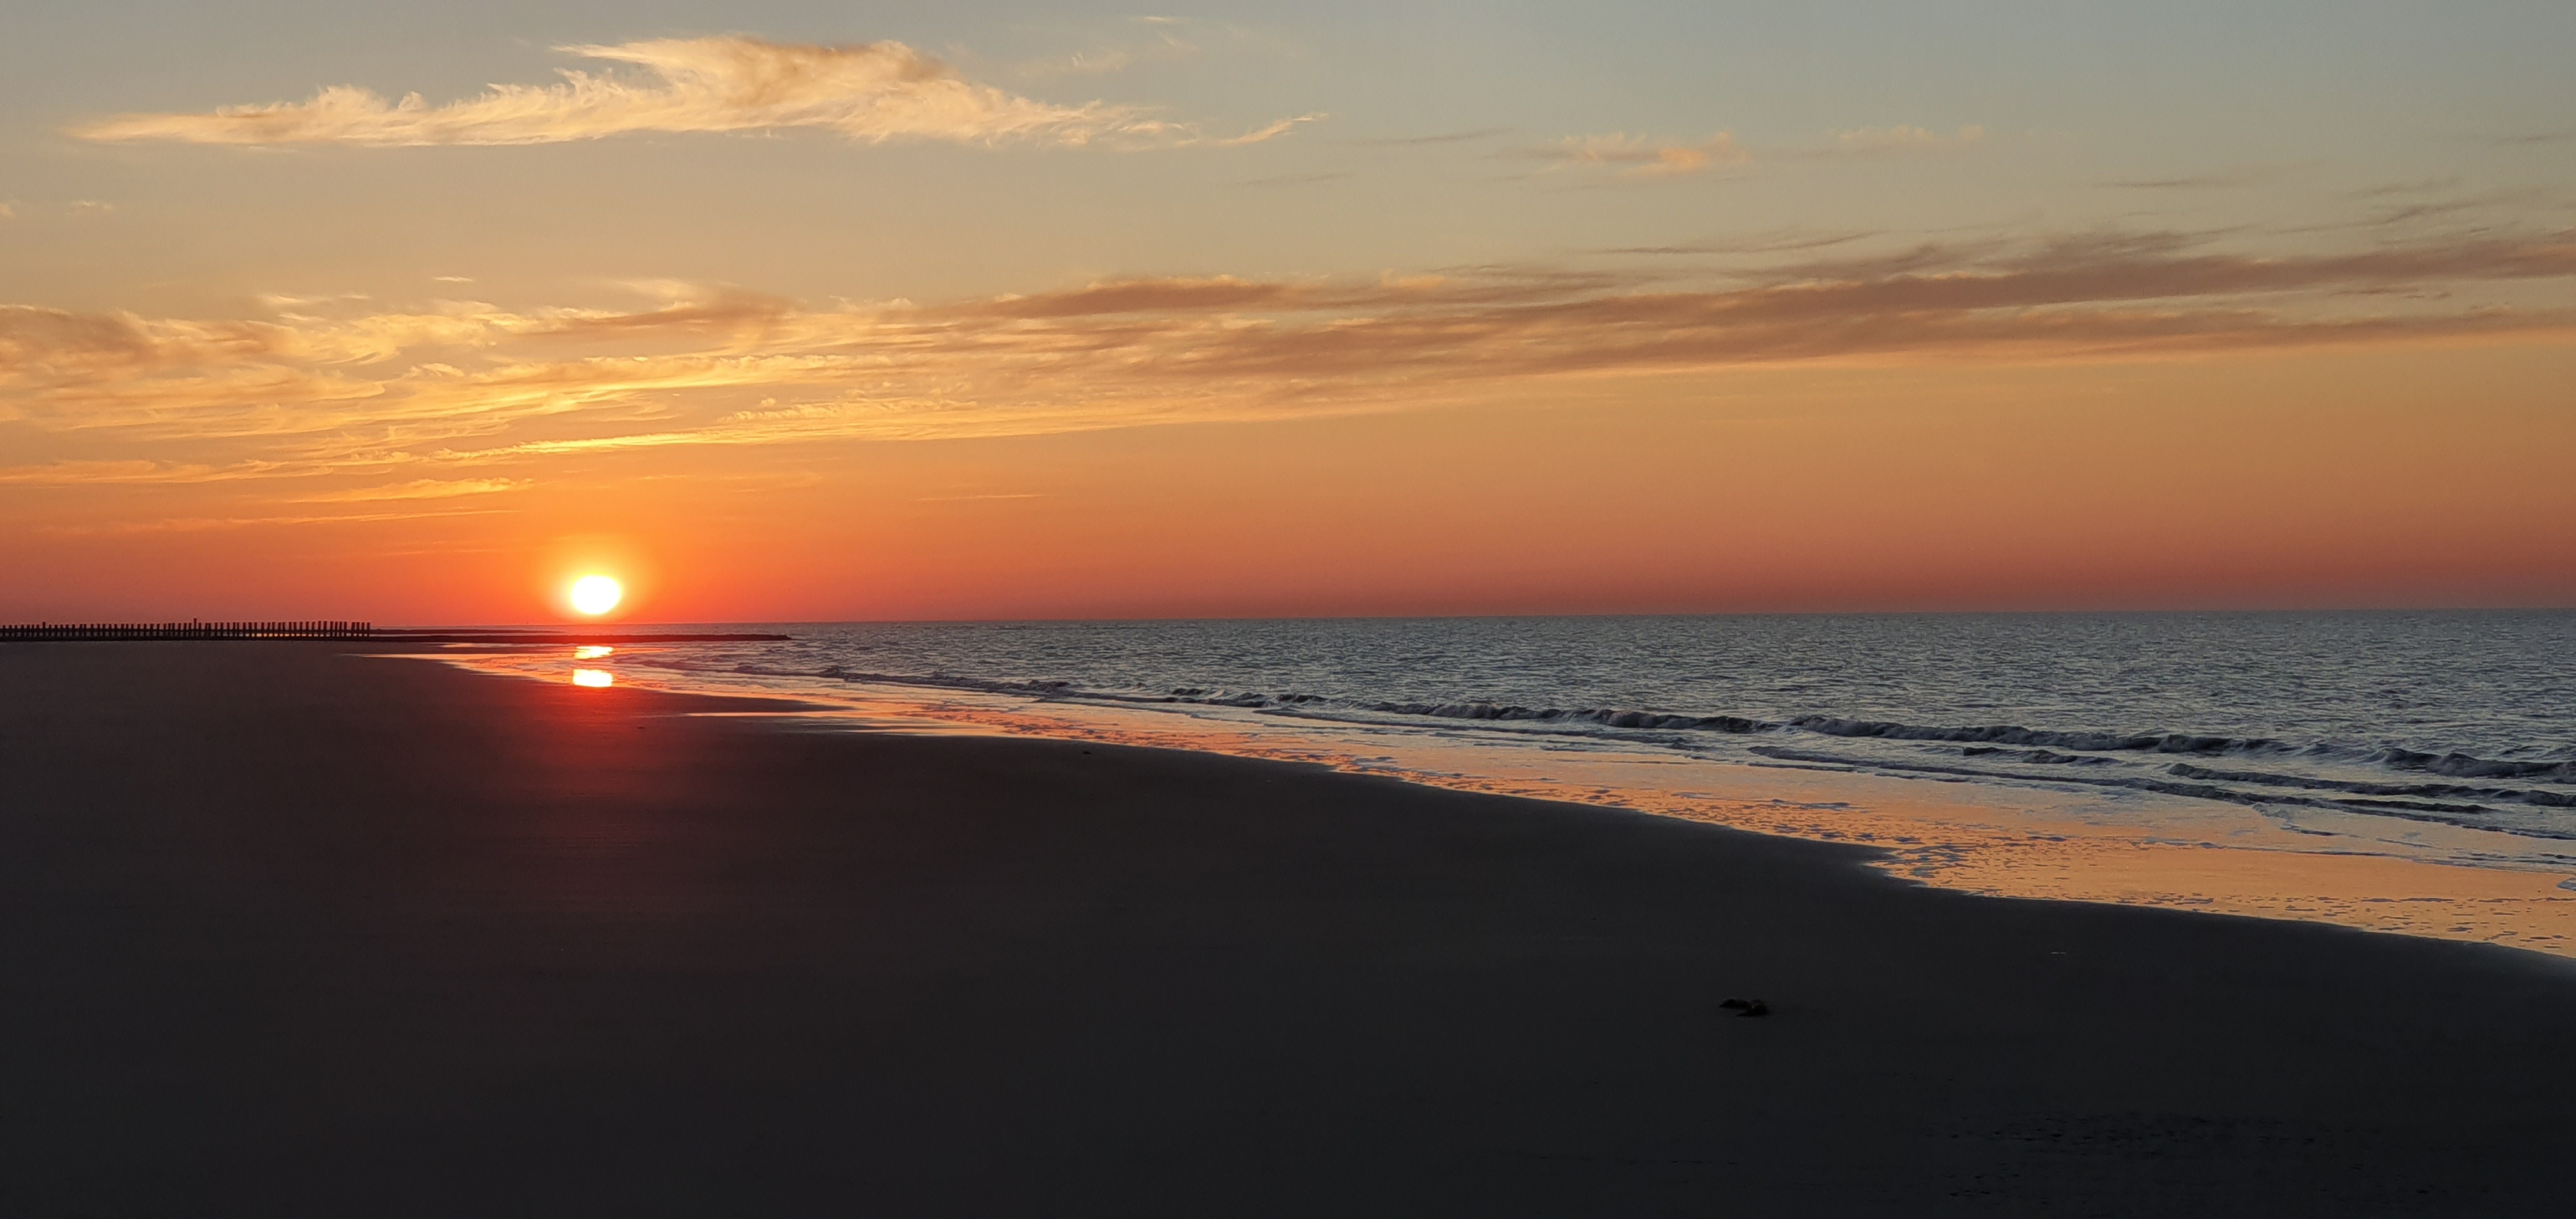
335 629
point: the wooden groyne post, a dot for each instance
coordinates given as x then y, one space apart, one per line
122 632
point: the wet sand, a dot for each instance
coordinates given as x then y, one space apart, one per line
2372 873
290 930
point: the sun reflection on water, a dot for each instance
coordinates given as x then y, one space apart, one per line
593 677
592 651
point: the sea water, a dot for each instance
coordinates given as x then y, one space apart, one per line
2443 737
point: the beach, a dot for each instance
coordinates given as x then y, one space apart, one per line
295 929
2408 773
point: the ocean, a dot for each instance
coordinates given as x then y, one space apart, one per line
2431 737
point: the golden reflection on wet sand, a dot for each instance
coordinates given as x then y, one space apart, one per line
598 678
1999 842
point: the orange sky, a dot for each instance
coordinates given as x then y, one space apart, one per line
2291 480
1323 314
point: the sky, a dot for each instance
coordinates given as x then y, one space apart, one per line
792 311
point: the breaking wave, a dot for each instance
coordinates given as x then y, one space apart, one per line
2459 720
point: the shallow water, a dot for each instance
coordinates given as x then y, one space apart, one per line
2439 738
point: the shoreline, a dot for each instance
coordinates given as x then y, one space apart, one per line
295 929
1981 839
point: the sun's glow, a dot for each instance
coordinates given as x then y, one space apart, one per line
593 677
596 594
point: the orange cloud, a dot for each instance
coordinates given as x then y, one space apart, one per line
418 488
867 91
479 386
1637 156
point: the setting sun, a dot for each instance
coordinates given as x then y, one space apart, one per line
596 594
1129 582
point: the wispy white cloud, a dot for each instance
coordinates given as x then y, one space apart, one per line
873 92
1444 137
1638 156
1162 43
1867 140
1085 63
1635 156
1269 133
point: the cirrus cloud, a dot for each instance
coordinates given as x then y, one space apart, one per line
455 402
1637 156
418 488
872 92
1868 140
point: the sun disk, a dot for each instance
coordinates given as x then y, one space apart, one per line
596 594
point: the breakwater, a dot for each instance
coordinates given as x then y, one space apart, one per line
63 632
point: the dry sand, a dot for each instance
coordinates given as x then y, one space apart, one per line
290 930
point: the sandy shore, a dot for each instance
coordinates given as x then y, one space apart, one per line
289 930
2000 840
